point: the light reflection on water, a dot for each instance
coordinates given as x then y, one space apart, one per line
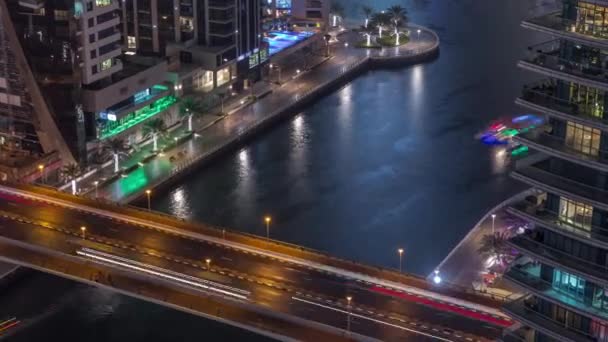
420 180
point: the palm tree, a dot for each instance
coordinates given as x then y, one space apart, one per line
367 12
336 10
116 147
398 16
381 20
155 128
70 172
190 108
495 247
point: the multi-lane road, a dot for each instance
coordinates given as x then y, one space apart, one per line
272 283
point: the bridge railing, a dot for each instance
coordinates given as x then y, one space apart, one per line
286 248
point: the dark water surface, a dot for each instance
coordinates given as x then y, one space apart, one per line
388 161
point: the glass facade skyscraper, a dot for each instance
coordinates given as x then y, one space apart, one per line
563 262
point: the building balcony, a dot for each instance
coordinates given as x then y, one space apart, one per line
544 59
222 32
536 250
560 185
592 235
528 277
557 26
555 146
541 98
220 5
523 312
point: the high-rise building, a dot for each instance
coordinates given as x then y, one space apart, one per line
563 263
75 73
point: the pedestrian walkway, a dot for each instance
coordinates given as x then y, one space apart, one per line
172 142
466 267
298 86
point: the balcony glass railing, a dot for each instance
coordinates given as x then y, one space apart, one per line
556 22
528 309
554 219
528 274
565 184
546 55
560 257
544 95
552 142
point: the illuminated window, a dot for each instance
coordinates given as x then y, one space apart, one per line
254 60
223 76
575 213
569 283
592 19
600 298
107 64
583 138
101 3
131 42
589 101
204 81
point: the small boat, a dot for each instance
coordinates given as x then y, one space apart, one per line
502 131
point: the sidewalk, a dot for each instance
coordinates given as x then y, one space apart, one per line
233 126
464 265
174 139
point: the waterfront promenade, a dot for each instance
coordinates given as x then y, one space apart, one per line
464 266
286 99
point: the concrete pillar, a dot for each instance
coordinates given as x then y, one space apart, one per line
154 19
176 22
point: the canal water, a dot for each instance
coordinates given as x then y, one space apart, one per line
388 161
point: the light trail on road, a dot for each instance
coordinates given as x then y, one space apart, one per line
160 272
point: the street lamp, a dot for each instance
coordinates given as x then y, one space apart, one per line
348 307
96 183
493 219
437 278
208 263
267 219
400 250
148 192
83 229
418 31
42 174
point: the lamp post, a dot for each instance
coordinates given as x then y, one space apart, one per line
42 174
96 183
267 220
208 263
400 250
418 31
493 220
437 278
83 229
348 307
327 37
148 192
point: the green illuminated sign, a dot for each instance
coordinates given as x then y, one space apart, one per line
112 128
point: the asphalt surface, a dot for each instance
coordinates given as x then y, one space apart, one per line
281 286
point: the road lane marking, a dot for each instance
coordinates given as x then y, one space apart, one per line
372 319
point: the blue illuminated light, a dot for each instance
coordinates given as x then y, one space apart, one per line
281 40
